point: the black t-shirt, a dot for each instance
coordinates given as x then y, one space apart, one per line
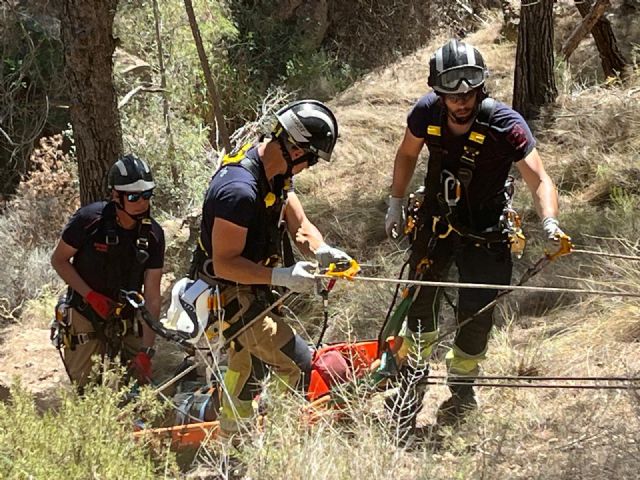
234 195
108 268
509 140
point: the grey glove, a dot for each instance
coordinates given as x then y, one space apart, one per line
395 219
298 278
327 255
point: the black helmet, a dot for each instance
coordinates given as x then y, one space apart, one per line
130 174
456 67
309 125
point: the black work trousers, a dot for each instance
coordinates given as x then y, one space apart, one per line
476 263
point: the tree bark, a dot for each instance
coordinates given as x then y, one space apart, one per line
534 82
212 91
613 62
88 50
584 28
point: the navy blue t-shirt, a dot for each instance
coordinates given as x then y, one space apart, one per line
234 195
509 140
98 263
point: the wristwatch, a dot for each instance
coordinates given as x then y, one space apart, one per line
150 351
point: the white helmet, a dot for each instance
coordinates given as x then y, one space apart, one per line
189 309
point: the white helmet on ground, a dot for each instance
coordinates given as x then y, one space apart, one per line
189 309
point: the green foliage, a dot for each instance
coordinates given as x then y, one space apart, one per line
181 170
282 51
88 437
135 27
31 84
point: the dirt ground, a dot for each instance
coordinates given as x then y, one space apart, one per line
34 362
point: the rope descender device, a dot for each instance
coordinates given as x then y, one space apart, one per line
565 247
343 269
346 269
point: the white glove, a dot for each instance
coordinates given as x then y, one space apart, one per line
327 255
553 232
297 278
552 229
395 219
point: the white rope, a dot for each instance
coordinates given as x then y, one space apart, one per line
485 286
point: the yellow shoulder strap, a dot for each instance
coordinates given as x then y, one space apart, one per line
236 155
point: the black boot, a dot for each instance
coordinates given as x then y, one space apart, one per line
462 401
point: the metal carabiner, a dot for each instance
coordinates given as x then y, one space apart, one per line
452 188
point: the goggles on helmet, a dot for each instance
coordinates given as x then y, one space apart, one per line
451 81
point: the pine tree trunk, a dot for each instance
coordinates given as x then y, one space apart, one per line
534 83
212 91
88 54
613 62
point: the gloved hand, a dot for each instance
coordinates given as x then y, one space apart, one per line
298 278
395 219
100 303
327 255
552 231
140 367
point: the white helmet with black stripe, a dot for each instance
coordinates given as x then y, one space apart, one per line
130 174
457 67
309 125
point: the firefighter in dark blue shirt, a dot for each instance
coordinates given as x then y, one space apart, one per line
107 247
473 140
249 211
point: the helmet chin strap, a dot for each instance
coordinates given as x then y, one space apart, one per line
287 158
136 217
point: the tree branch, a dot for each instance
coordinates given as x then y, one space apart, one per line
212 92
584 28
136 90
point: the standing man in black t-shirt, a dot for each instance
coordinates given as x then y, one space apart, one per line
107 247
473 140
249 211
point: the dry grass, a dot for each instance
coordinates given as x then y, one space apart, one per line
30 224
586 140
590 145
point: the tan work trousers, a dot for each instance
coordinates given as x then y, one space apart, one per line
80 360
260 345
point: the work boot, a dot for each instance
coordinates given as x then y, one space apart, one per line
462 401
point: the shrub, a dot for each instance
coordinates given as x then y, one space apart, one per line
88 437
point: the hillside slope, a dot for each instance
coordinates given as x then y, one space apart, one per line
590 148
590 144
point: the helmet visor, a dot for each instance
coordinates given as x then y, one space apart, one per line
461 79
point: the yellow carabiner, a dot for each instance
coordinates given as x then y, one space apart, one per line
443 235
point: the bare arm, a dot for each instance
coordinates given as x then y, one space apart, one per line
61 263
545 195
405 163
153 301
228 240
308 237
